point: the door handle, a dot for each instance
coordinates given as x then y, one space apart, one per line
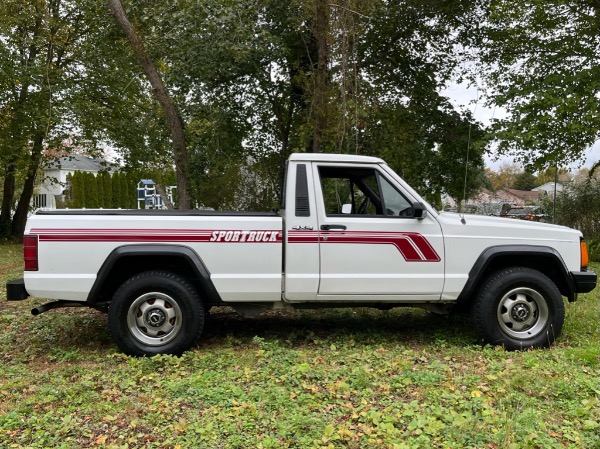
333 227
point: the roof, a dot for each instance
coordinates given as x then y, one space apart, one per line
147 182
329 157
526 195
76 162
549 187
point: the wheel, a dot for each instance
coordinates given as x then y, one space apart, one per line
519 308
155 312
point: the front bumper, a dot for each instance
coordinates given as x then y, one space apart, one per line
15 290
584 281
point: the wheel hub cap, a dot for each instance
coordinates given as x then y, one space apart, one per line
156 317
521 312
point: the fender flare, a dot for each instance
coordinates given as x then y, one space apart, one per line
188 254
492 253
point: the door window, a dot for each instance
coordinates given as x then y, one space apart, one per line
361 192
395 203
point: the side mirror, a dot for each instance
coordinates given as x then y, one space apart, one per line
419 210
346 209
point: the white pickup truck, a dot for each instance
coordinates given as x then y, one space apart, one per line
351 233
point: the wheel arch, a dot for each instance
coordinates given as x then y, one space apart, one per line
544 259
128 260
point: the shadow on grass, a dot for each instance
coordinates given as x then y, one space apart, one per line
411 327
86 331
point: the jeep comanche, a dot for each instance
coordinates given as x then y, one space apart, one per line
351 233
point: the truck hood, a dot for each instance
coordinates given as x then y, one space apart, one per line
499 227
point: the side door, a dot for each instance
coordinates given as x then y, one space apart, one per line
372 247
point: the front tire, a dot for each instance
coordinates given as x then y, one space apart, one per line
156 312
519 308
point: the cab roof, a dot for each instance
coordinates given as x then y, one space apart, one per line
330 157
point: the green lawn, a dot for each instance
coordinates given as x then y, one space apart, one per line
356 379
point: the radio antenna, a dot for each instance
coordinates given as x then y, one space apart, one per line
462 215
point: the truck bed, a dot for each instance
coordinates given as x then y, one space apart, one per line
242 251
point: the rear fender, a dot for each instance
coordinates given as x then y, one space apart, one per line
110 275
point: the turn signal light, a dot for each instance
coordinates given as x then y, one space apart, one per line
585 259
30 252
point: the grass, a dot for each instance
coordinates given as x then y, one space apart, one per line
315 379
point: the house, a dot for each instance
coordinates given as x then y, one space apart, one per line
501 196
54 177
548 189
517 197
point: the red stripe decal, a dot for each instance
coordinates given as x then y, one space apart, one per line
158 235
413 246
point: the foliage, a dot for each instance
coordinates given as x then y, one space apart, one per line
524 181
66 83
244 75
245 80
313 379
106 190
578 206
539 60
504 176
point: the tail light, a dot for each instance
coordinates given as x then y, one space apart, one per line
30 252
585 258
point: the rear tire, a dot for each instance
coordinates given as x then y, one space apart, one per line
156 312
519 308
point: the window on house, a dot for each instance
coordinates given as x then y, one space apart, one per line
40 201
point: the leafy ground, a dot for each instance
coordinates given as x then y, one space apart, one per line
356 379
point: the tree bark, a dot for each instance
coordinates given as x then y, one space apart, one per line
8 194
163 195
172 115
20 217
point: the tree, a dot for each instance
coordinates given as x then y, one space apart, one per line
34 44
540 61
106 179
384 65
63 82
91 190
524 181
505 176
78 190
172 115
578 206
100 189
320 93
550 174
123 191
254 81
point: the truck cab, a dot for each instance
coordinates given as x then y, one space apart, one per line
355 231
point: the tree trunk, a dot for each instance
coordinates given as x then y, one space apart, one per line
8 194
163 195
320 92
20 217
172 115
